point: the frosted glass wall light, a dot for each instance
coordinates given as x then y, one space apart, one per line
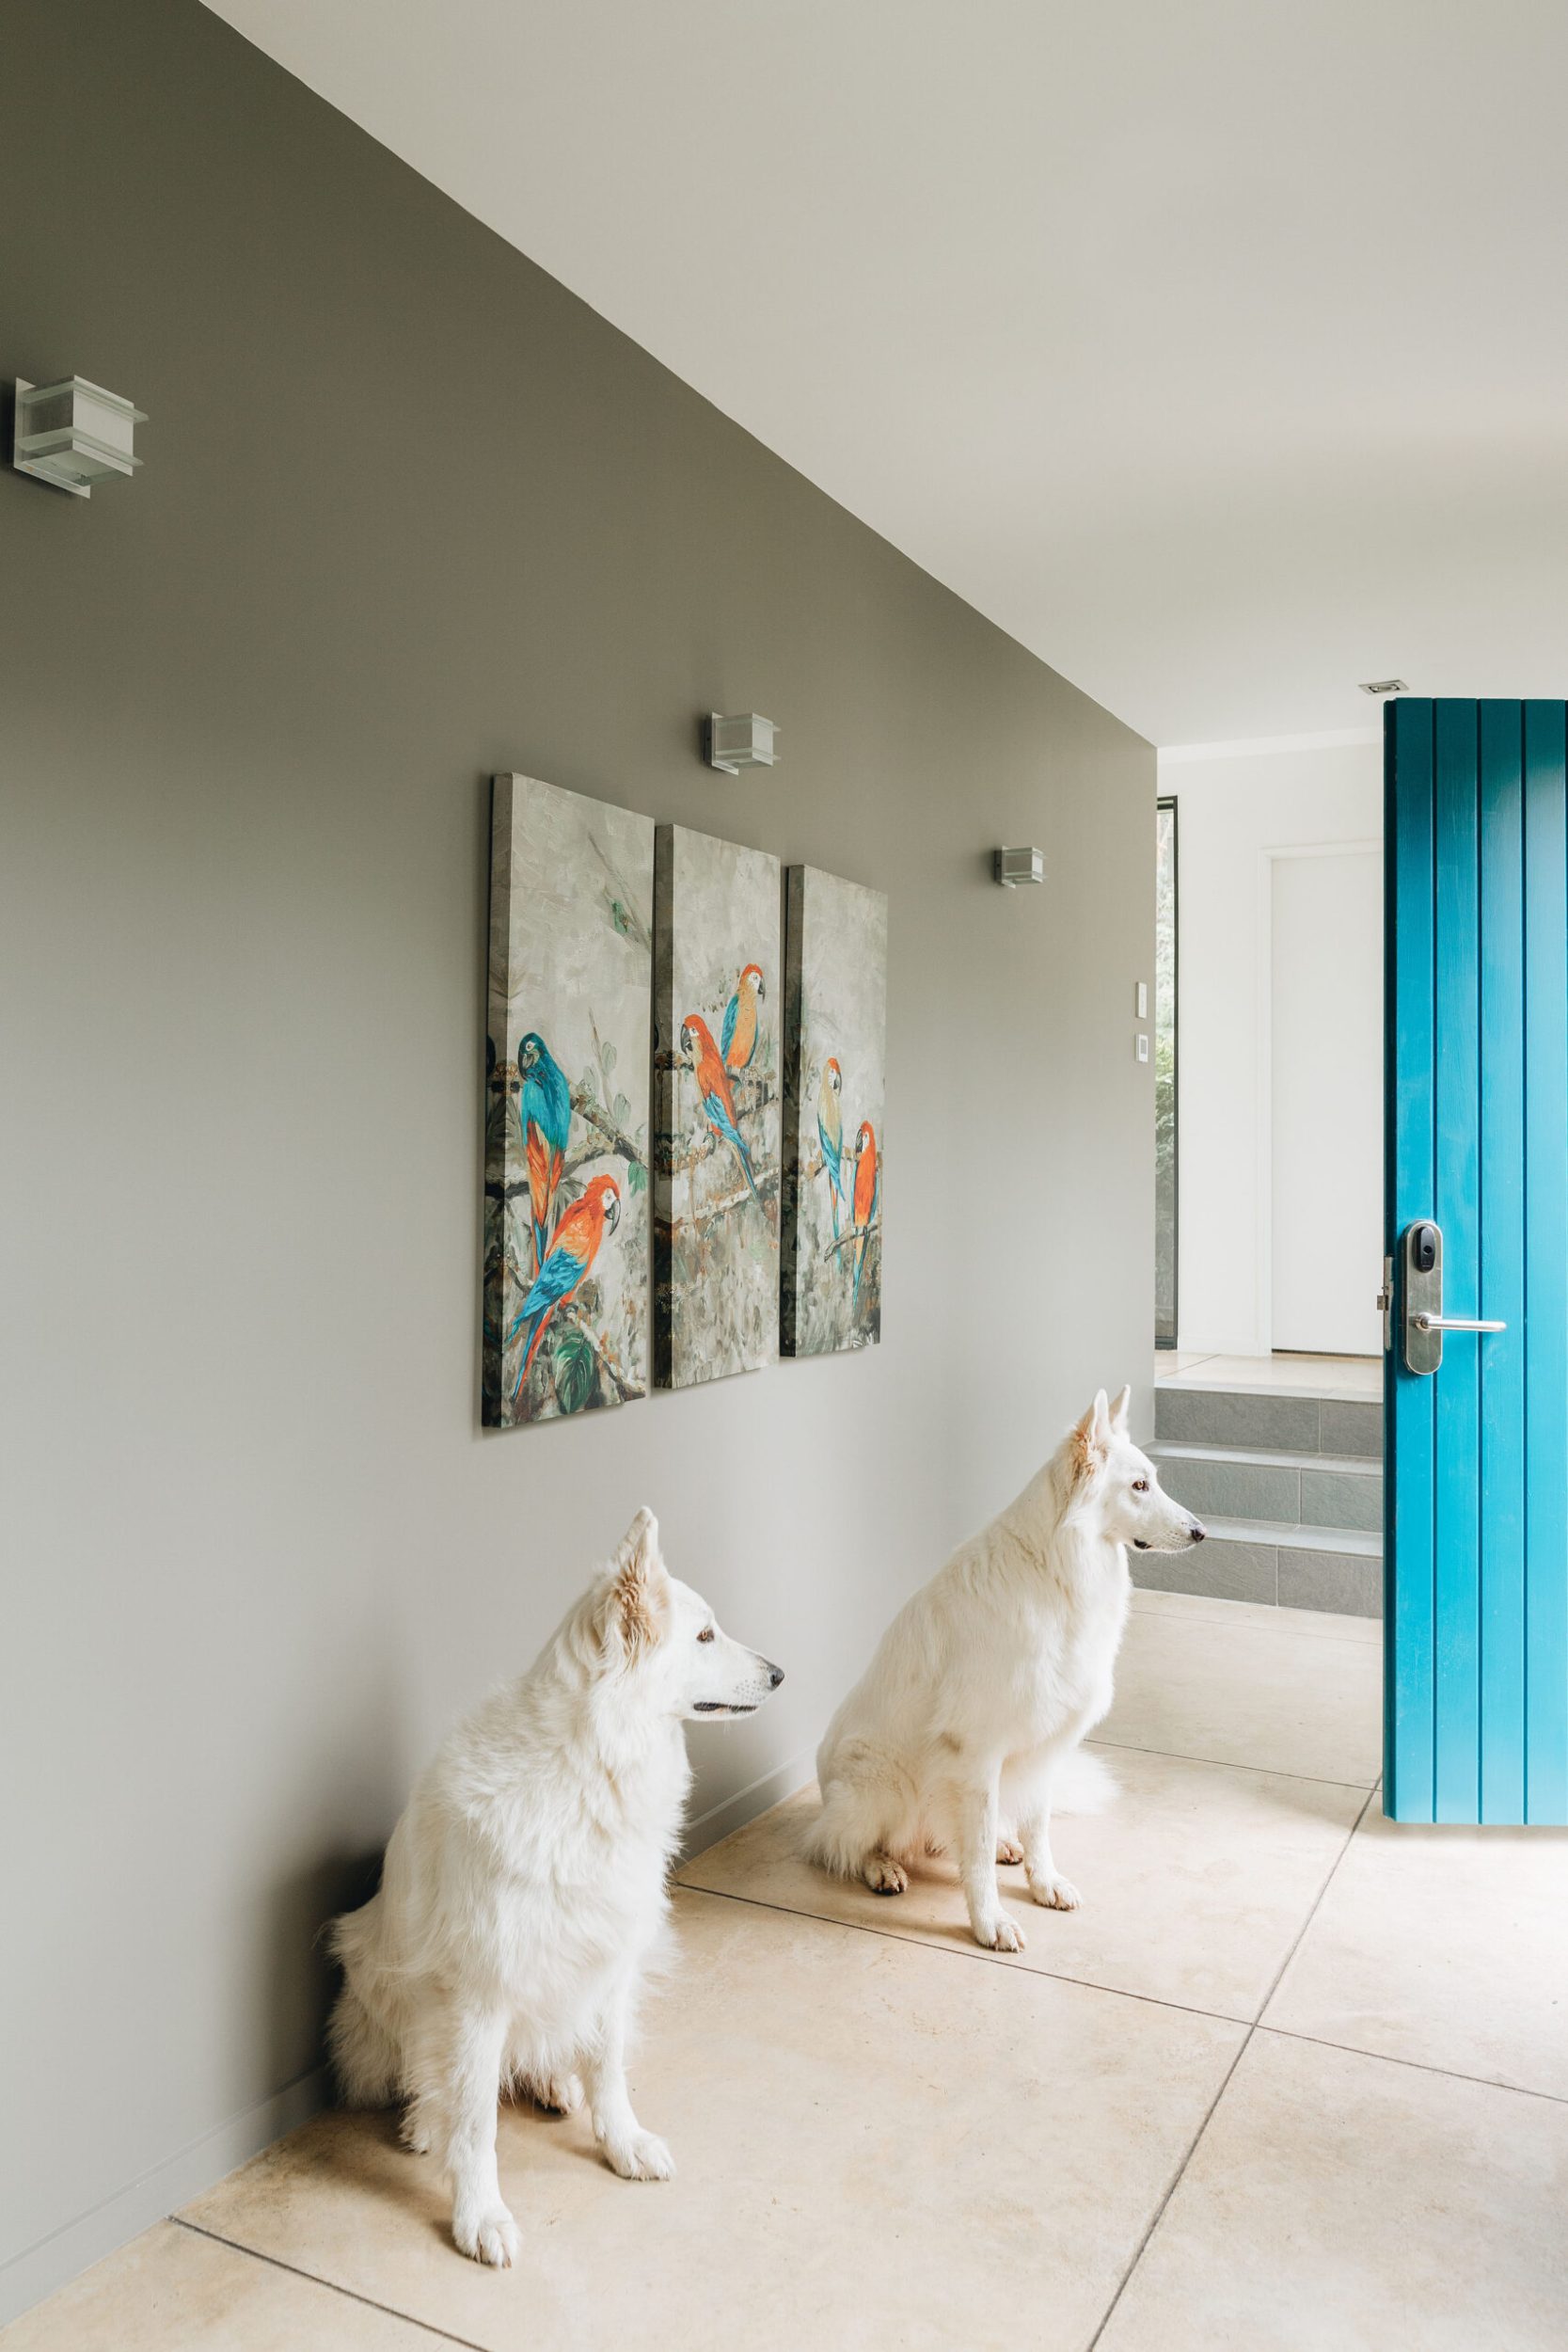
73 434
741 741
1013 867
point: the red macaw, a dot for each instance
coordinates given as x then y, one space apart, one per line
738 1038
573 1252
868 1192
713 1084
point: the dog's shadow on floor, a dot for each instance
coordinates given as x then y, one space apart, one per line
933 1873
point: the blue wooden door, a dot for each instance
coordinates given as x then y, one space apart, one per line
1475 1540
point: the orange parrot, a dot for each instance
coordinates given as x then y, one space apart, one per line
868 1192
565 1268
701 1055
737 1037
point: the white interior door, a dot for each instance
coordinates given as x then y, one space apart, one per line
1326 1100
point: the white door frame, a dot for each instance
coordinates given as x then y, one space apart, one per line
1264 1048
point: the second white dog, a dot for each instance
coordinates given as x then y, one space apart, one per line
984 1684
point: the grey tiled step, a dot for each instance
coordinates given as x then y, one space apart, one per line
1251 1483
1283 1421
1295 1566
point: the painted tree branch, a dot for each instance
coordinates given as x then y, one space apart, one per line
616 896
854 1234
707 1141
592 1115
768 1186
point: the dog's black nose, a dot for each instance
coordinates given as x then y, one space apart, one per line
1196 1533
775 1675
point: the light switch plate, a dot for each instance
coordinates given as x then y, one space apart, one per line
1143 1047
1142 1000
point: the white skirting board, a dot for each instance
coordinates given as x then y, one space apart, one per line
734 1812
63 2256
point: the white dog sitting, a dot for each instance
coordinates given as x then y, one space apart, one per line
984 1684
524 1887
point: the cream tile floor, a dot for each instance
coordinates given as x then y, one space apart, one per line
1290 2078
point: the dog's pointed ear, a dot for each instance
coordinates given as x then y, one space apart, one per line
637 1590
1119 1411
639 1546
1091 1437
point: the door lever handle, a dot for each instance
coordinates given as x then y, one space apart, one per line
1453 1323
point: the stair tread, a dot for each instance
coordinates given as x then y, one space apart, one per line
1295 1536
1262 1457
1183 1385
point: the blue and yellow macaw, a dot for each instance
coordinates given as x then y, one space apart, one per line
547 1117
830 1132
737 1036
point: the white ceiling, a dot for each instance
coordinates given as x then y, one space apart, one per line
1217 349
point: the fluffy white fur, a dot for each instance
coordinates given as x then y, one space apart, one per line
524 1890
964 1727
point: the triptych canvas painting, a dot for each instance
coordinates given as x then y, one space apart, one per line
743 1159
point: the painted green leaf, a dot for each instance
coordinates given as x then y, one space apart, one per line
636 1176
621 1110
608 1056
576 1372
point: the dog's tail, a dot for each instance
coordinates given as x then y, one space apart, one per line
868 1806
1083 1783
366 2058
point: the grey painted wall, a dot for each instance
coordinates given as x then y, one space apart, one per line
411 513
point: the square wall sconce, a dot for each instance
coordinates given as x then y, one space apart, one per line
742 741
73 434
1014 866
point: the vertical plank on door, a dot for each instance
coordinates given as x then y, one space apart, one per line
1546 831
1456 1205
1408 1549
1500 1356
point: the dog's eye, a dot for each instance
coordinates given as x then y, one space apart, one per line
707 1633
1140 1486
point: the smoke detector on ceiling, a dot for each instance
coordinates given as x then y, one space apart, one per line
1383 686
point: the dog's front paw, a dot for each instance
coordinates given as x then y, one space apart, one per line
884 1876
1056 1894
998 1933
489 2236
645 2158
1009 1850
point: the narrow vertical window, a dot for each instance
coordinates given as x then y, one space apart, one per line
1164 1077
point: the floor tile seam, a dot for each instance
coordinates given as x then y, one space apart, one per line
971 1951
1419 2066
1229 1764
352 2294
1196 2140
